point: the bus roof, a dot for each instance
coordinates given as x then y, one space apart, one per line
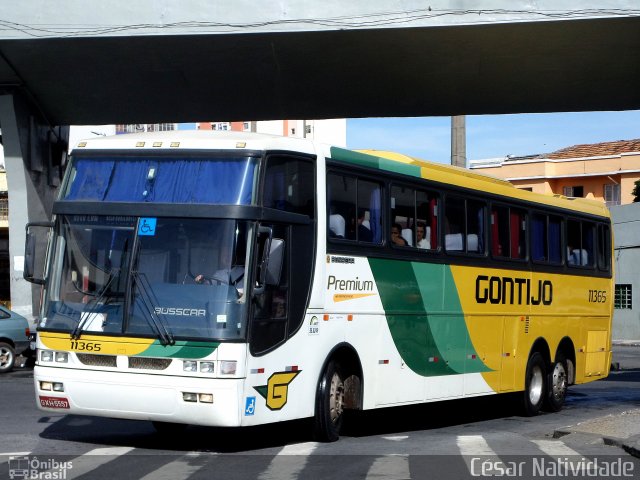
378 159
195 140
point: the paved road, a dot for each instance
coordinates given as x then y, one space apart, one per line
430 441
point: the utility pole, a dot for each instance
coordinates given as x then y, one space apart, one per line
458 141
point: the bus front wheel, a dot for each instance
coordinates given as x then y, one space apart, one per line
330 404
534 385
558 382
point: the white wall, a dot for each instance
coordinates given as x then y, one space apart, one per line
626 258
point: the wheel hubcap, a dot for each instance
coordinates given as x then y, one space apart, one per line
5 357
336 397
535 386
559 381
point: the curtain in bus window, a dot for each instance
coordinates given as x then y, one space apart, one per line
538 239
91 180
515 235
587 244
433 205
555 251
375 215
174 180
495 241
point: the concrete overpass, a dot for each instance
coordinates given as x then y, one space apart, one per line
144 62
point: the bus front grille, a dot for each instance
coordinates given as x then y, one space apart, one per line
149 363
97 360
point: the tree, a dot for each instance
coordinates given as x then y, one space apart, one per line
636 191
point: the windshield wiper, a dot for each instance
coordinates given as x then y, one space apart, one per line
154 319
113 274
77 331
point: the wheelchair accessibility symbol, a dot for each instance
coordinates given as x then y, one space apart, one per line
147 226
250 406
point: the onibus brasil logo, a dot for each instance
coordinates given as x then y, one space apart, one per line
34 468
277 388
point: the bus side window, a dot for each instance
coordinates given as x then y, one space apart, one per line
354 209
555 239
539 238
475 226
290 185
454 224
581 243
604 248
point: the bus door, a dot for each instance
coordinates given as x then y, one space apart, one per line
508 351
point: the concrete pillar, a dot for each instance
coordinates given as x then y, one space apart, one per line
458 141
35 157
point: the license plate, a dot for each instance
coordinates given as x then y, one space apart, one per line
54 402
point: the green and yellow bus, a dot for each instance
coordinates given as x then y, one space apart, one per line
231 279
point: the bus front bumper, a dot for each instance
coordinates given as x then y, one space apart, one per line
175 399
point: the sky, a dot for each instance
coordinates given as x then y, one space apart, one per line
491 136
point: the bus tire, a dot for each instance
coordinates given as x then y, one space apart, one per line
534 385
7 357
329 404
558 382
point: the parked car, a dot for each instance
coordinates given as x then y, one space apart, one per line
14 338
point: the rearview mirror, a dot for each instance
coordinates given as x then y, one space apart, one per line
35 248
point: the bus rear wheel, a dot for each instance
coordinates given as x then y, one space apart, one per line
558 383
330 404
535 385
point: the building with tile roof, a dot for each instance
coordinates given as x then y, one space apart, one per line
604 171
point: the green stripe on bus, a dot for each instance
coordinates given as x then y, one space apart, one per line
398 167
356 158
371 161
181 349
407 318
425 317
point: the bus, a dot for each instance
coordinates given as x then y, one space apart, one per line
233 279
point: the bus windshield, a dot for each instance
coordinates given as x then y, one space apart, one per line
219 180
163 277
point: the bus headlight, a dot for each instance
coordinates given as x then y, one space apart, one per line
190 366
207 367
228 367
62 357
46 356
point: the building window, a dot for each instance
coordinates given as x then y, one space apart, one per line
612 194
577 191
4 206
622 297
221 126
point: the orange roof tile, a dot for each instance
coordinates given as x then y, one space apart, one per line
596 149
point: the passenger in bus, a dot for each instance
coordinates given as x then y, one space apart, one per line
364 233
422 241
396 238
336 225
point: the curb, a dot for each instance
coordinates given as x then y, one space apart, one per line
628 445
